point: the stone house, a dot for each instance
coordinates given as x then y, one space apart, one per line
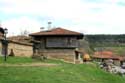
20 45
102 56
56 43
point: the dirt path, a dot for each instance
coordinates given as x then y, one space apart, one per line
29 64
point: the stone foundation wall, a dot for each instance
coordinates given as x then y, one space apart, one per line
20 50
65 54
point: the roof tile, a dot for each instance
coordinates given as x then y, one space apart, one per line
56 31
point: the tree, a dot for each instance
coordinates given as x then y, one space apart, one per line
24 33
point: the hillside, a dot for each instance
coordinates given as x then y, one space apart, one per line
114 43
106 40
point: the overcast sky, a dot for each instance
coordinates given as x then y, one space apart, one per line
86 16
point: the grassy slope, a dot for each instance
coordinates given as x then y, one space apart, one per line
118 50
64 73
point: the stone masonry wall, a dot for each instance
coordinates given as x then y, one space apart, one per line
20 50
65 54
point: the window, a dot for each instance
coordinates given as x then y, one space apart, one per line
60 42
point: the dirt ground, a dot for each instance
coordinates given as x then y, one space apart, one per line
29 64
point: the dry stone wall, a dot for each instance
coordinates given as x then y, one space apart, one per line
20 49
65 54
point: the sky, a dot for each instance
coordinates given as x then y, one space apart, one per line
85 16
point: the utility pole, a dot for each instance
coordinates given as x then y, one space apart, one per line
5 40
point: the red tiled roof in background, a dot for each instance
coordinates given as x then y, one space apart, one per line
107 55
56 31
122 58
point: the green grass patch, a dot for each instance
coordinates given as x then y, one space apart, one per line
18 60
15 60
64 73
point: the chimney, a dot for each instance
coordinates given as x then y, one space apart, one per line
49 25
41 28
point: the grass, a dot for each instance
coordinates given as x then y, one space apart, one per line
18 60
63 73
15 60
117 50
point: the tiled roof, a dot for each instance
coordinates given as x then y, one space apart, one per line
20 40
114 57
104 53
57 31
107 57
122 58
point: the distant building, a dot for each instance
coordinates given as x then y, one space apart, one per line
106 55
56 43
20 45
